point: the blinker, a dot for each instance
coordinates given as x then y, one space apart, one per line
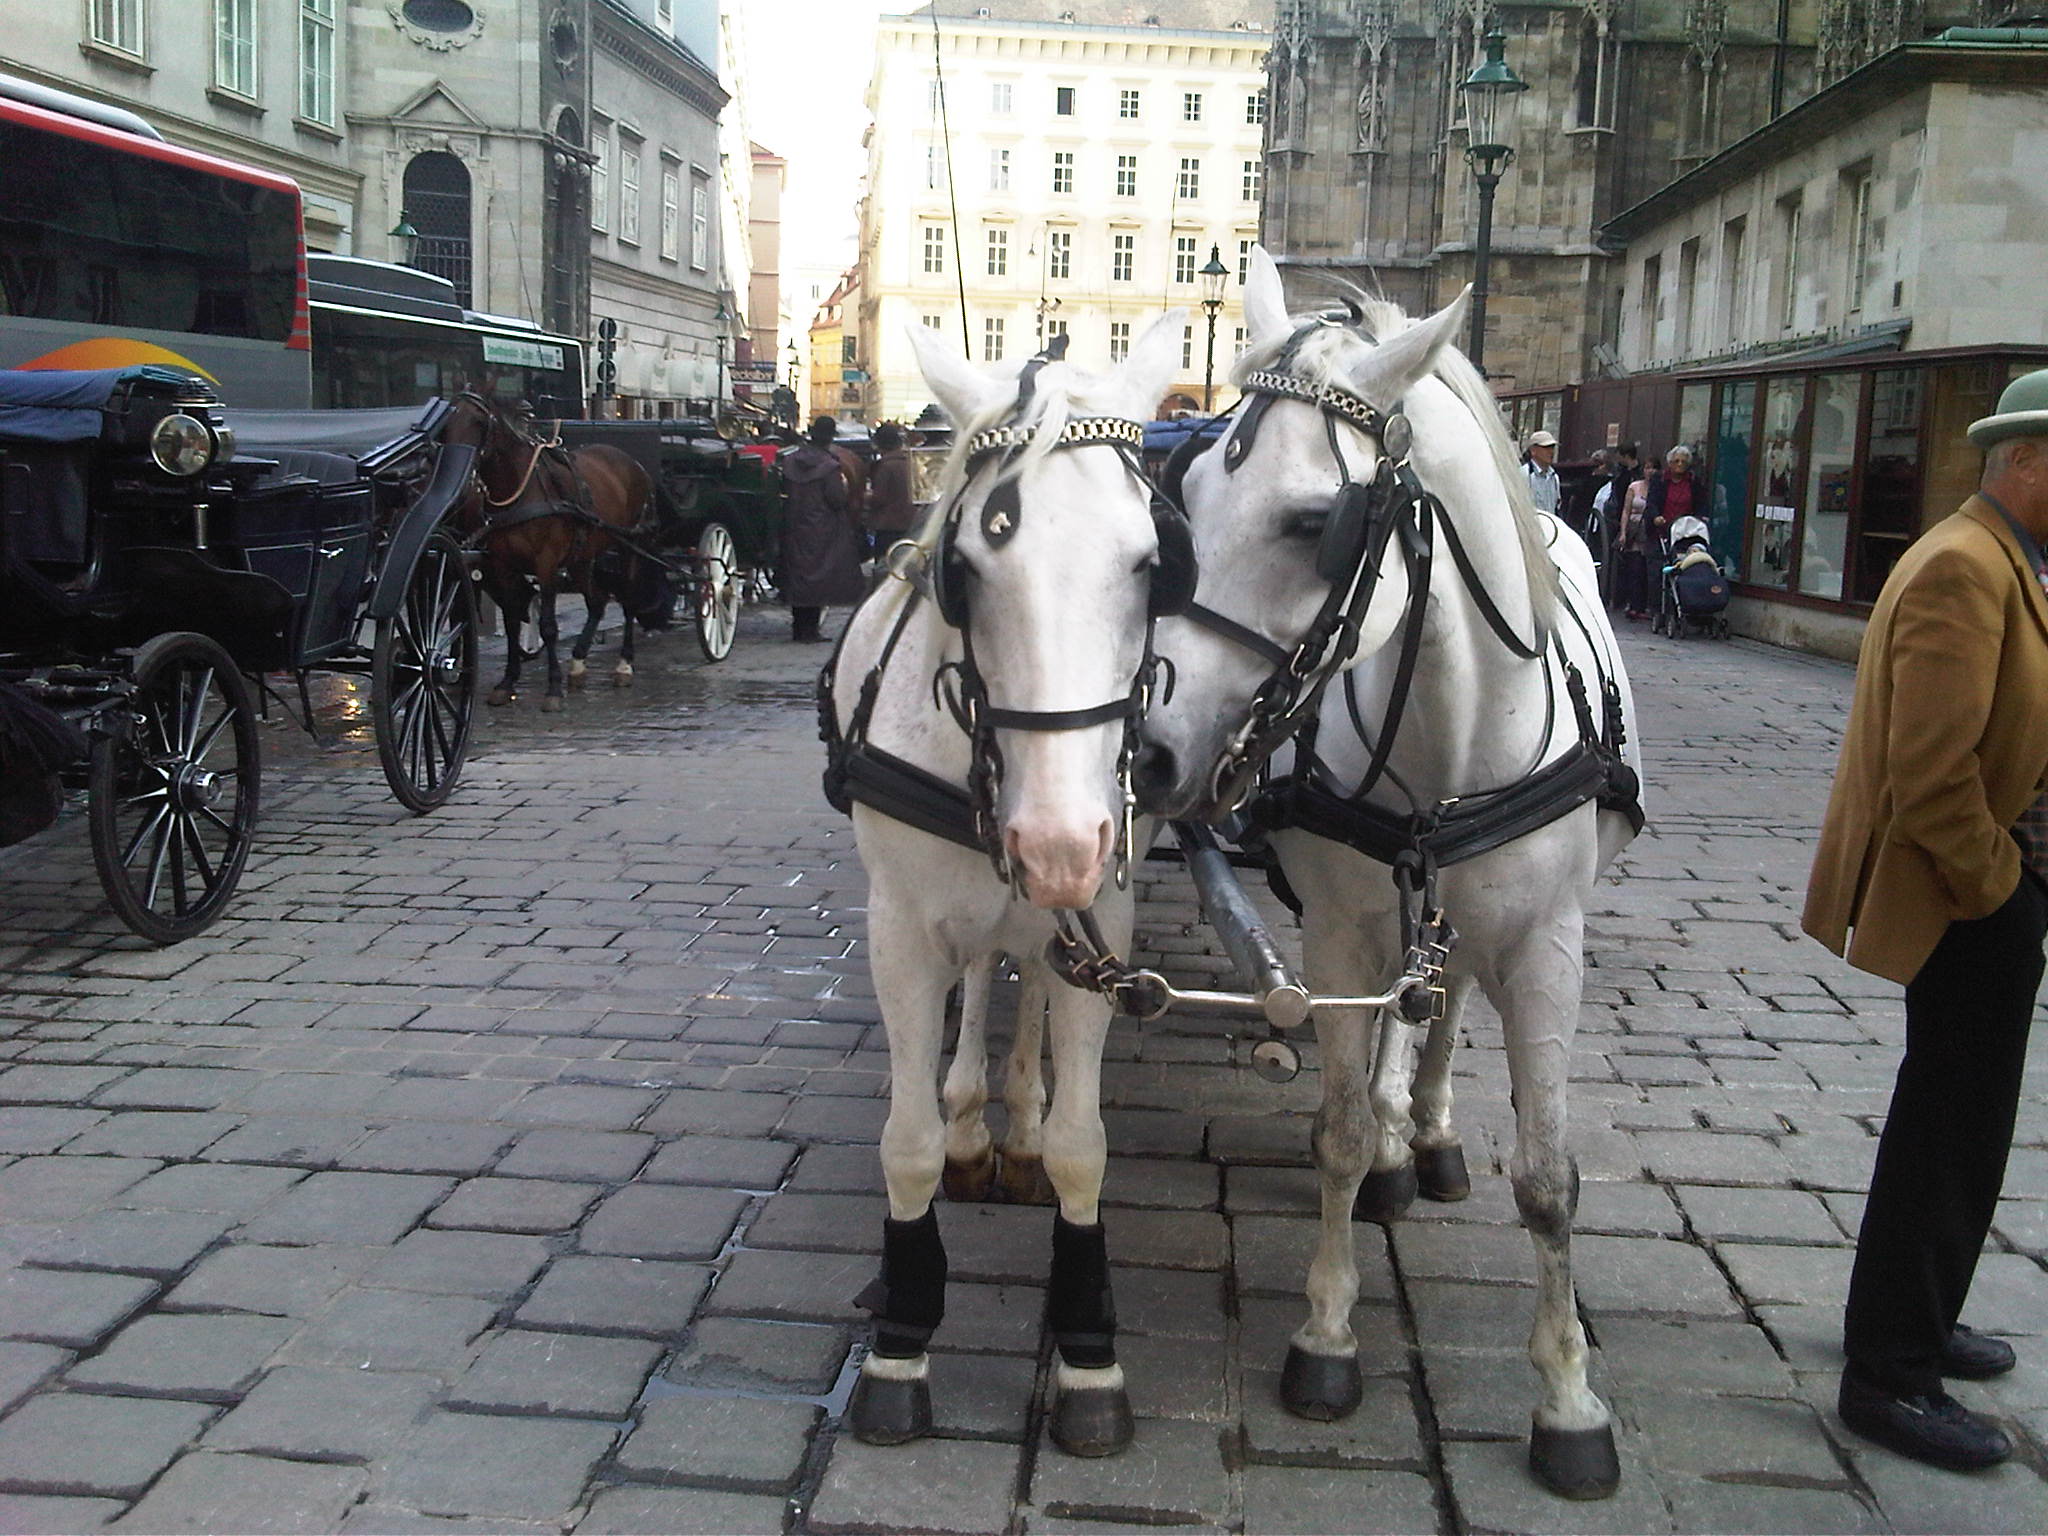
1344 535
1000 511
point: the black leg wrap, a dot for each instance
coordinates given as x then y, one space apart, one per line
908 1298
1320 1387
1079 1307
1575 1463
1386 1194
1440 1173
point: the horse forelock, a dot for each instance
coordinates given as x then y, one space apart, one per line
1329 355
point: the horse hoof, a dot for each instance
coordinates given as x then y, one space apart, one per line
1440 1173
498 698
1385 1195
622 678
551 705
1575 1463
1093 1422
1320 1387
971 1180
576 672
886 1411
1022 1180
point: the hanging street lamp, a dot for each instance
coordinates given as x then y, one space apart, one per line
1214 276
1489 98
723 320
408 240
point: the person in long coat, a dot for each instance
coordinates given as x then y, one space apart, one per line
1932 870
820 547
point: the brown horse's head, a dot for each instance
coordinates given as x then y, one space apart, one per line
505 449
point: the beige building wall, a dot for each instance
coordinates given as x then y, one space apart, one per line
1097 244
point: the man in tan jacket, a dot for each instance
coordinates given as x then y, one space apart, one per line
1932 870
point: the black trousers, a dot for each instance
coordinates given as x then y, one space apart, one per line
804 621
1941 1160
1635 581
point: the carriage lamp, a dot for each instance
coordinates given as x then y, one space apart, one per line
1214 275
1488 90
181 445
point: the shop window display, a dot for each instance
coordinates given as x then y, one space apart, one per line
1890 511
1776 511
1830 483
1734 445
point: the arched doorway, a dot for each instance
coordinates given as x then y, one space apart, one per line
437 197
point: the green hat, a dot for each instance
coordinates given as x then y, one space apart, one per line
2022 411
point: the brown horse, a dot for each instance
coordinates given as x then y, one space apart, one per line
545 518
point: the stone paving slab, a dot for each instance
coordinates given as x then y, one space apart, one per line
514 1169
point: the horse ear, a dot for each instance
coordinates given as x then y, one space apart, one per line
963 390
1154 359
1385 373
1265 302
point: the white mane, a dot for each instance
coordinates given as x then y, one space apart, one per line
1325 358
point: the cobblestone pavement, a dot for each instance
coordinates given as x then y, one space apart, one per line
514 1169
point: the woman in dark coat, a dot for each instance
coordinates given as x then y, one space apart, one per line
820 549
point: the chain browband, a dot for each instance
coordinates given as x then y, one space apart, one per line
1079 432
1364 413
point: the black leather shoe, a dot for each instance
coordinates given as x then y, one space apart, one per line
1974 1356
1934 1428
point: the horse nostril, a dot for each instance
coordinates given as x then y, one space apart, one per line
1154 773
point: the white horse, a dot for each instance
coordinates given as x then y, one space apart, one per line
1288 516
986 717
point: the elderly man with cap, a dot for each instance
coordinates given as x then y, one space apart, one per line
1541 465
1932 870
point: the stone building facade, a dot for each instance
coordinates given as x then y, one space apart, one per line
1367 179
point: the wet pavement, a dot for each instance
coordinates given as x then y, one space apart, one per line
513 1168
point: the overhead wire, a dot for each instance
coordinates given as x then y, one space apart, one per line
952 190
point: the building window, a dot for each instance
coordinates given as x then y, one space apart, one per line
1123 257
1063 170
932 166
934 96
1126 175
992 339
1254 180
671 210
999 170
316 61
1187 348
933 322
999 98
935 248
1237 338
1127 104
700 223
1597 75
665 13
437 198
1059 253
1244 262
849 353
1688 293
1255 108
1189 186
1063 101
629 190
1184 259
999 253
1790 215
1734 280
234 46
120 24
1191 106
1650 300
1055 328
1859 237
601 176
1119 340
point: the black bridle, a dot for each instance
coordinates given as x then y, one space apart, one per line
858 770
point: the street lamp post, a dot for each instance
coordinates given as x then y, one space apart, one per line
1489 87
1214 275
723 319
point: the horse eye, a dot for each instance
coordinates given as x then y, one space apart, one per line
1305 525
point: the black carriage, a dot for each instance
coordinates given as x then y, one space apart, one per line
718 514
154 571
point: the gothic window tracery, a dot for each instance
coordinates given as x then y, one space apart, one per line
1706 31
1599 69
1372 57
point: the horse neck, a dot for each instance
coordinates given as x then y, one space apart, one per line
1475 715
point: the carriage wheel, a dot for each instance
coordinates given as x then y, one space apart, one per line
423 679
173 796
719 588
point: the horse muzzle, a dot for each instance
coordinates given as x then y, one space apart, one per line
1059 861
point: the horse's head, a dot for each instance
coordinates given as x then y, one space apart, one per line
1043 552
1294 514
504 449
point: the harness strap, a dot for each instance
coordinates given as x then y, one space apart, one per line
1419 544
1209 619
1056 719
1495 620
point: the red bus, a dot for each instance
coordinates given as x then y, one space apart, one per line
118 248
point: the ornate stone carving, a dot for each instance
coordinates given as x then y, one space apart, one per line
1706 29
436 39
1371 57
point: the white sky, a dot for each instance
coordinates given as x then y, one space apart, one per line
808 63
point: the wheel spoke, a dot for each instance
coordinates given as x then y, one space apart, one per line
212 734
191 707
207 874
156 859
143 831
215 817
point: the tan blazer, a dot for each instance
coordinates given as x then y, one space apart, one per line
1947 744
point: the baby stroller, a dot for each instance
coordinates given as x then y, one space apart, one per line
1693 595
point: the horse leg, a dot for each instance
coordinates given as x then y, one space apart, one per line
1020 1173
1321 1379
593 607
622 669
1091 1415
1536 990
892 1401
1440 1171
550 639
512 603
1389 1187
970 1150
